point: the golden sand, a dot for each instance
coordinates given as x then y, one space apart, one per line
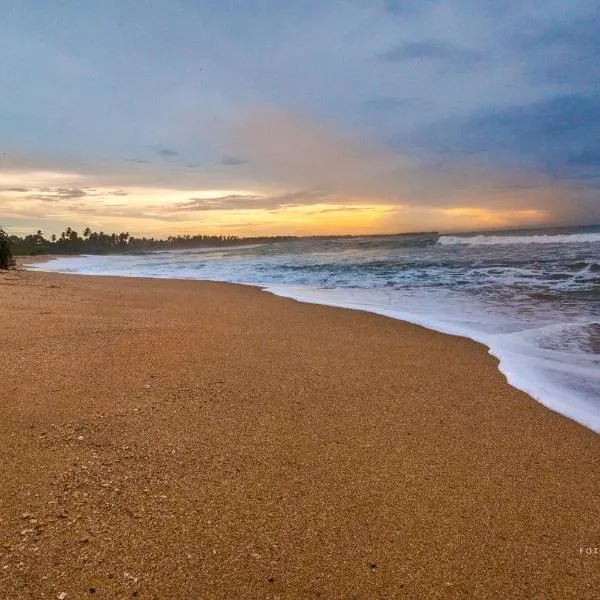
192 440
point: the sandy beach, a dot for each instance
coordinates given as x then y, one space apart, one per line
190 440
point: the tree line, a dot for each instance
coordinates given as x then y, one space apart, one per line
6 259
93 242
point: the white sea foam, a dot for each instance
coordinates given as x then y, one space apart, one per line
506 240
545 375
535 308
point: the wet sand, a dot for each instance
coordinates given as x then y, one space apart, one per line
191 440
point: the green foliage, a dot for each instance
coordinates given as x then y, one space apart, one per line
92 242
6 259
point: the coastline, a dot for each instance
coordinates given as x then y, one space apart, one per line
242 444
580 408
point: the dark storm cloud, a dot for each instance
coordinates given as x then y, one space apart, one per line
565 53
560 135
444 82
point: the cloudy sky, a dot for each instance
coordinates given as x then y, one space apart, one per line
298 116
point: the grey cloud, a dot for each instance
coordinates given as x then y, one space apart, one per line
139 161
407 7
83 209
384 105
168 153
58 194
232 161
434 50
254 202
560 135
566 53
346 209
531 52
230 202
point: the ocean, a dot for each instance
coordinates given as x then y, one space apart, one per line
531 296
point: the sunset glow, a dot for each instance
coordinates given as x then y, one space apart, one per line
389 120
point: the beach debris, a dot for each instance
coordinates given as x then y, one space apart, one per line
373 567
146 387
62 596
129 578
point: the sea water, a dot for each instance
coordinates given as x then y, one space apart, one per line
532 297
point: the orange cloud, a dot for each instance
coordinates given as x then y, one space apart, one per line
297 176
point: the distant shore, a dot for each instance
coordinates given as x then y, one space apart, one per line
23 261
182 439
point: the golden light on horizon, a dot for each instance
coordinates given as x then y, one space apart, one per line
53 200
485 217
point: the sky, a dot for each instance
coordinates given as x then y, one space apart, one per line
266 117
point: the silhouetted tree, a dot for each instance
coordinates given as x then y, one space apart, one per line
92 242
6 259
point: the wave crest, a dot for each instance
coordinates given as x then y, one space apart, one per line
508 240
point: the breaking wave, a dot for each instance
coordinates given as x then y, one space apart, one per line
534 304
508 240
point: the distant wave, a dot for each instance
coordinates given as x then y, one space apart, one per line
533 304
506 240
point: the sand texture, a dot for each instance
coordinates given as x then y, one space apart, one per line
190 440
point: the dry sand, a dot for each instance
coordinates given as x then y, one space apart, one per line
191 440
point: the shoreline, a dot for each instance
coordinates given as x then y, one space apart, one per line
183 438
574 409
